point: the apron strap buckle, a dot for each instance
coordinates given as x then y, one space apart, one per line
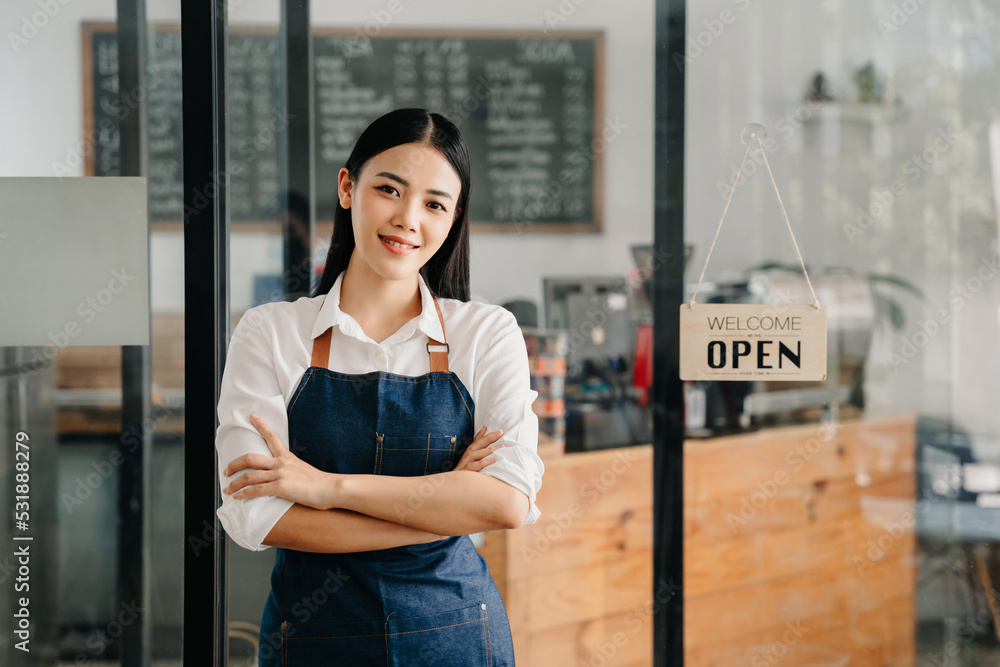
439 357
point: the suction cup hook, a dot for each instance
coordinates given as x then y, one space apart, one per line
752 131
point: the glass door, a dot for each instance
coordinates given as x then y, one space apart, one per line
557 105
851 521
92 367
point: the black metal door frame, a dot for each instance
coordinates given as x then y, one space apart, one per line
204 42
668 294
134 525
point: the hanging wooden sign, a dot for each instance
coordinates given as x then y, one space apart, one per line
738 341
729 341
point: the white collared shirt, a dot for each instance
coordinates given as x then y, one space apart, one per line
271 348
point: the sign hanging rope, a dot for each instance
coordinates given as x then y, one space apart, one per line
740 341
725 209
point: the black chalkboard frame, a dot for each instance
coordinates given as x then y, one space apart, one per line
594 225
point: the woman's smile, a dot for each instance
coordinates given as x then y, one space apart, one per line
397 245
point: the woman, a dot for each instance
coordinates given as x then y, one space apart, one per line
383 385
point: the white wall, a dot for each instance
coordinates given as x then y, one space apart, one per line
42 129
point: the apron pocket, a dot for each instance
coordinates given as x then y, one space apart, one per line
362 643
411 456
459 637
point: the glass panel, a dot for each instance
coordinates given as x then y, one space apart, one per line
557 106
257 256
851 521
67 399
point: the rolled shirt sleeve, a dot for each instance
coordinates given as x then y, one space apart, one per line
249 385
503 400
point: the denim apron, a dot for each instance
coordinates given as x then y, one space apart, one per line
425 604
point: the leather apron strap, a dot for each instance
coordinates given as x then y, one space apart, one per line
321 350
439 357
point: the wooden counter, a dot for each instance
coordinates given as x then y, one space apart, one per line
799 549
575 583
799 545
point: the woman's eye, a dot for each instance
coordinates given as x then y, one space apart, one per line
388 189
436 206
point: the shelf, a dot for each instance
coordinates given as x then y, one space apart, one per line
856 112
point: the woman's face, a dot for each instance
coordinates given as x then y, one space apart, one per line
402 207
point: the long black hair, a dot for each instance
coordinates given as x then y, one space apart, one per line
447 272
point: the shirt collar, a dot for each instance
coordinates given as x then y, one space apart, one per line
330 315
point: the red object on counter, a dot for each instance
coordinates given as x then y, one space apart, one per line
642 368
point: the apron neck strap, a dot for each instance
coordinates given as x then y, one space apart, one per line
321 350
439 356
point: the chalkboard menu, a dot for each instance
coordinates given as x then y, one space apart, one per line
529 105
104 107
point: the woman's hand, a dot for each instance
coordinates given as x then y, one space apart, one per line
477 454
282 474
